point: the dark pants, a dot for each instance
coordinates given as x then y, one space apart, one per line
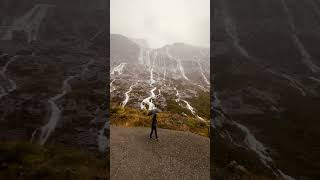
153 127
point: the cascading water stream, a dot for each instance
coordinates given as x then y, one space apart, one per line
118 69
189 107
148 101
125 101
179 65
204 77
306 57
30 22
13 85
102 138
112 88
255 145
47 129
152 81
2 92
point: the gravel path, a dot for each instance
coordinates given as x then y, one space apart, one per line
178 155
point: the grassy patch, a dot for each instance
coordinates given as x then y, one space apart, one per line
202 104
176 108
31 161
130 117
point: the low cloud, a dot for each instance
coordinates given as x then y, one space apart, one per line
162 22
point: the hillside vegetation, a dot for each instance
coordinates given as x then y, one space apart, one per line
130 117
30 161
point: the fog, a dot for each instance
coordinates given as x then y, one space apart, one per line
162 22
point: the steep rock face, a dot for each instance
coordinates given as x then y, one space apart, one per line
52 85
266 76
176 73
53 20
122 49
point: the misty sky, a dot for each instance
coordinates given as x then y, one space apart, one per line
162 22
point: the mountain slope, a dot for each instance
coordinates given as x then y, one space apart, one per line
53 69
172 78
266 74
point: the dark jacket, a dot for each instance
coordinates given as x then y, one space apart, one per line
154 116
154 119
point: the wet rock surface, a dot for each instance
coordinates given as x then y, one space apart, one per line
172 75
56 75
266 91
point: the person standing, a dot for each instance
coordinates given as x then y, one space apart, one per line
154 122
